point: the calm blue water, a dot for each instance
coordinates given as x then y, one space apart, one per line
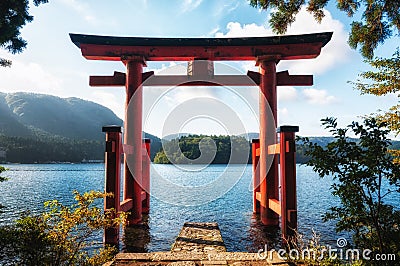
30 185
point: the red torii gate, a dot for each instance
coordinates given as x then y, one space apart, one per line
265 51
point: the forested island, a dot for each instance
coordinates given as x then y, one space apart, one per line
187 149
202 149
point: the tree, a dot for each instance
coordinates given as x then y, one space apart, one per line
61 235
379 21
364 175
385 80
2 179
2 169
13 16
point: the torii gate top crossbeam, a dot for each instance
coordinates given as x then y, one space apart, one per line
288 47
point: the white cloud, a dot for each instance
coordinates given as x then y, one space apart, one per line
225 9
286 93
320 97
235 29
335 52
109 100
189 5
83 9
30 77
283 111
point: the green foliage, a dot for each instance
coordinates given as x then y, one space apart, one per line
383 80
364 175
2 169
13 16
61 235
200 148
30 150
2 179
379 21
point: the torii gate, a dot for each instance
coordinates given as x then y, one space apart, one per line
265 51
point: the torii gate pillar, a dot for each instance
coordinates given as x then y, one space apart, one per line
268 99
133 138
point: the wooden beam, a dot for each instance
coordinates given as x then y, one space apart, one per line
252 79
275 205
118 79
143 194
187 53
283 78
126 205
259 198
274 149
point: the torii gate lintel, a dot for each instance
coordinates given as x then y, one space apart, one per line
283 78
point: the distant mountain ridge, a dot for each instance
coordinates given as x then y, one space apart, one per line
42 128
29 115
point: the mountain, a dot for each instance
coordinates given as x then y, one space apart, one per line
30 115
68 129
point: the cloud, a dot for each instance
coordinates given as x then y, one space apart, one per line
235 29
190 5
109 100
335 52
30 77
225 9
320 97
286 93
283 111
82 9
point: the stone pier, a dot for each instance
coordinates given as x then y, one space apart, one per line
196 244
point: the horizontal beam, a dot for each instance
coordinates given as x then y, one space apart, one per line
274 149
225 53
288 47
275 205
118 79
143 195
260 199
252 79
126 205
283 78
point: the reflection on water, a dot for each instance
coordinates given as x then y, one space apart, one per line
136 238
30 185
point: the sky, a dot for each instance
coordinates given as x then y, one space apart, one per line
53 65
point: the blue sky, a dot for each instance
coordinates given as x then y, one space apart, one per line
51 64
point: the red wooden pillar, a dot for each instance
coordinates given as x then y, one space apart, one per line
255 144
269 179
133 137
288 180
112 179
146 176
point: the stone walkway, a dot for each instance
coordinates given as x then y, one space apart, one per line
196 244
199 237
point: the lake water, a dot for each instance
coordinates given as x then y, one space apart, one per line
30 185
